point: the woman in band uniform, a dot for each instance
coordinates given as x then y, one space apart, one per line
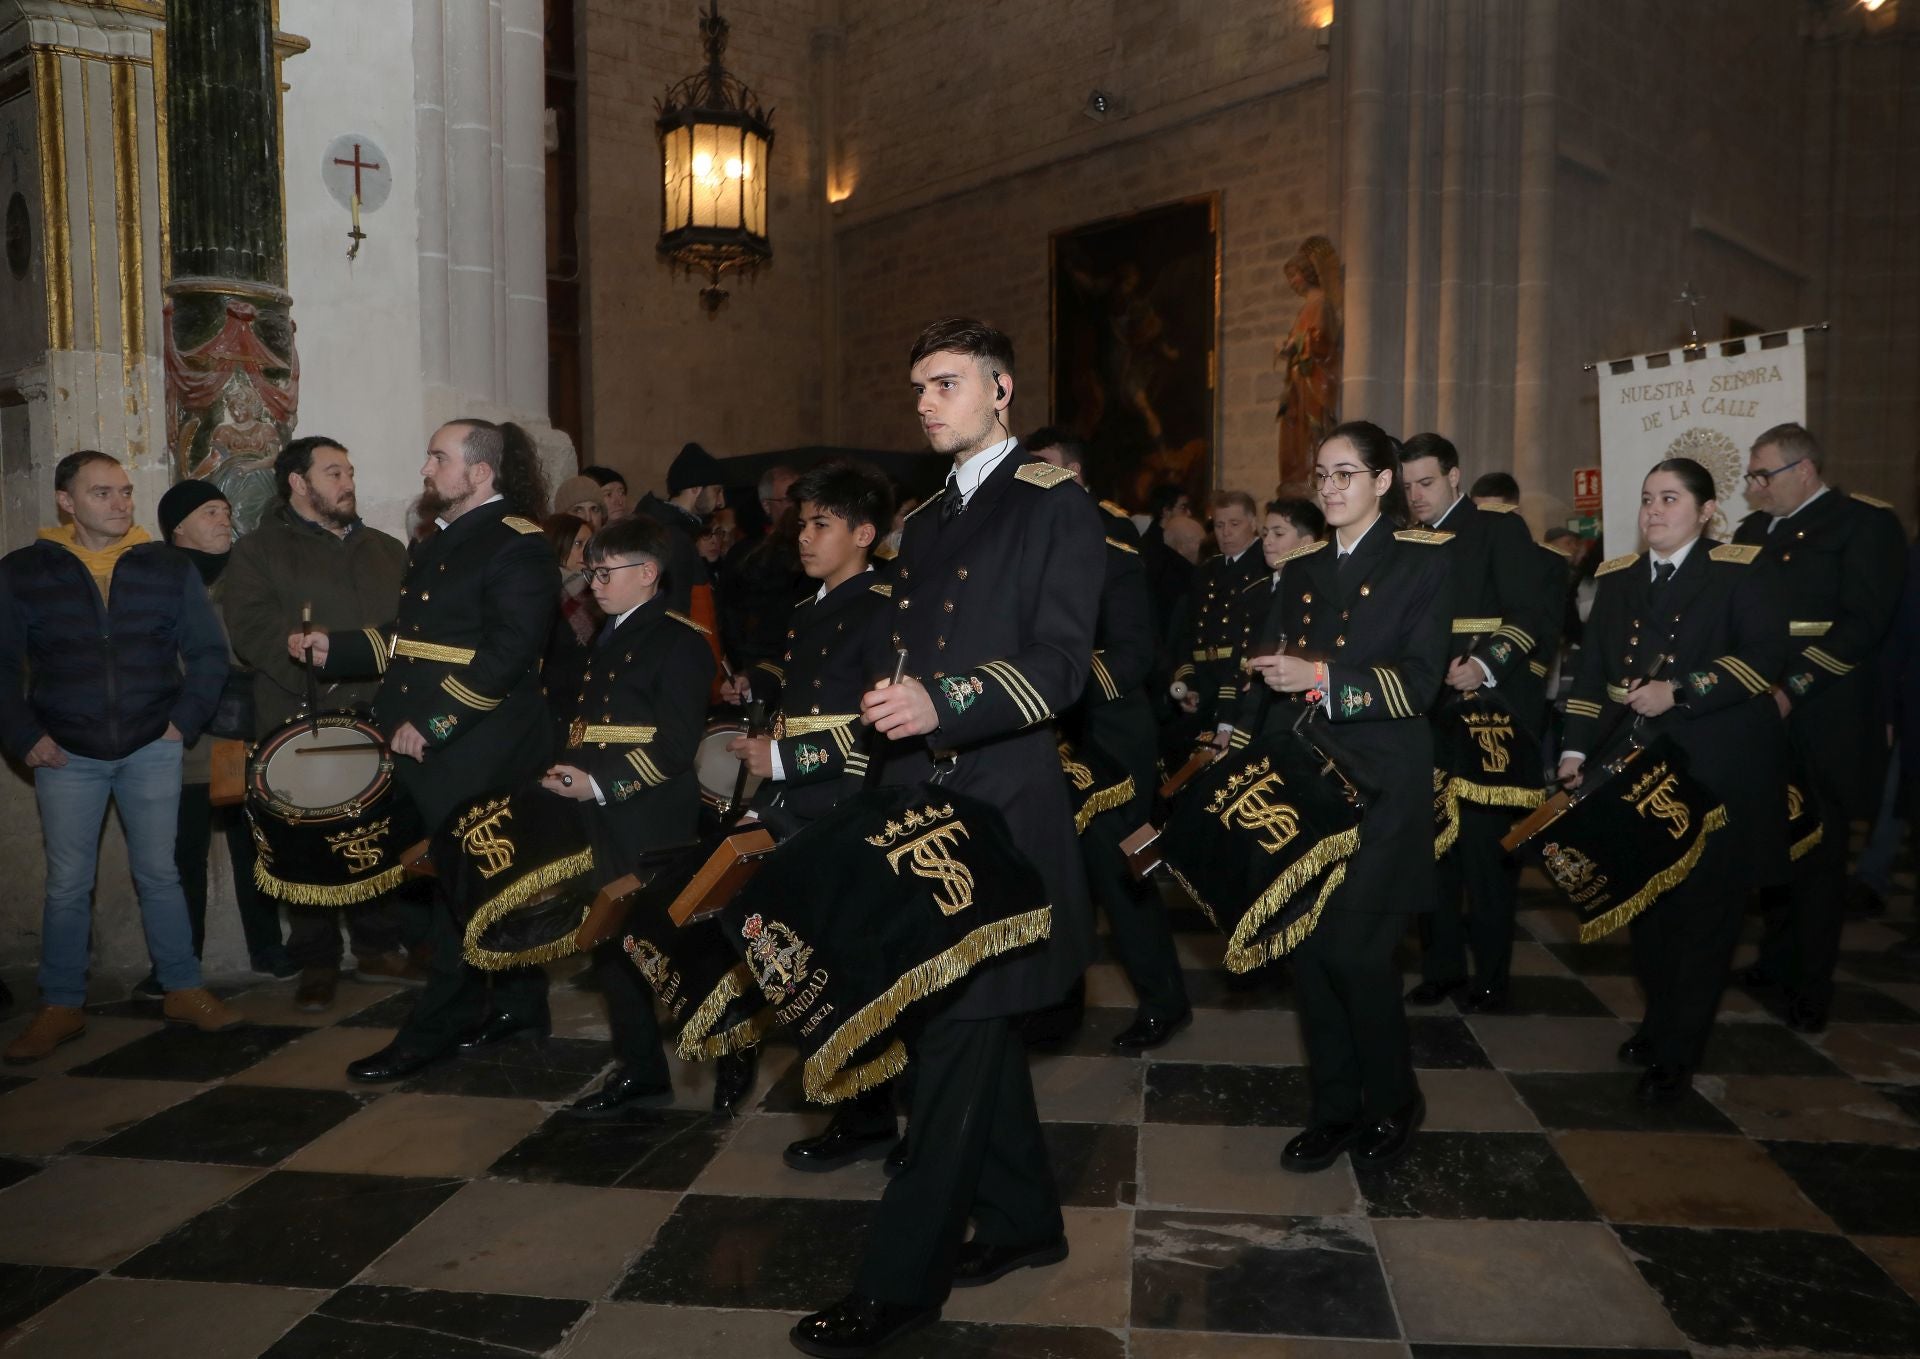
1366 617
1689 637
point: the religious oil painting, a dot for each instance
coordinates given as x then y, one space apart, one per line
1136 308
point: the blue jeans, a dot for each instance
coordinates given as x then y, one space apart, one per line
73 803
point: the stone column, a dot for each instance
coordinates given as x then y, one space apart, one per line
1533 323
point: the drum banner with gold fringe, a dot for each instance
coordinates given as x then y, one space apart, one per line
1481 756
1804 831
1260 839
516 868
328 823
895 895
1096 783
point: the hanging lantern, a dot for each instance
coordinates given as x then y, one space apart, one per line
714 140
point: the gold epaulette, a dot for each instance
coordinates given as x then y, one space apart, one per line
1431 537
1744 554
1300 551
1124 547
1499 507
1557 551
1874 501
519 525
1613 564
884 552
1042 474
1115 510
883 588
697 627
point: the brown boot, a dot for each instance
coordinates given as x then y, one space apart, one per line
391 966
54 1025
316 989
201 1008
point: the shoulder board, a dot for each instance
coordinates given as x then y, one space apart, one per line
1042 474
1301 551
682 618
1556 551
519 525
1745 555
1117 511
1874 501
1612 564
1431 537
1124 547
884 552
1498 507
882 588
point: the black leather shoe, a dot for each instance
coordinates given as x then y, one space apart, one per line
1804 1016
1150 1031
1754 978
1319 1146
982 1264
1663 1085
498 1028
897 1158
857 1326
733 1079
840 1145
391 1063
1432 993
1387 1141
1485 1002
1637 1051
624 1090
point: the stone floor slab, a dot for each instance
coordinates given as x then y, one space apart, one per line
1810 1109
1088 1288
1237 1170
93 1212
60 1114
432 1135
1686 1180
171 1320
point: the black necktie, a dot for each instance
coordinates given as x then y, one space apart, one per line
951 503
606 632
1662 573
1340 563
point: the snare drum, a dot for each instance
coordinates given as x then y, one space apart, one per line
719 772
327 820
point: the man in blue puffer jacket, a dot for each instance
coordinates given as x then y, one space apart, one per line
110 658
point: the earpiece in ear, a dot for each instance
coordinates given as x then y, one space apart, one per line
999 388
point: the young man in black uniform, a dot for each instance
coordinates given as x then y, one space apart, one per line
460 701
1841 560
1505 627
629 753
1114 716
995 598
1222 612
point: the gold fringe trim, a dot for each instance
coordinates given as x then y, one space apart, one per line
306 894
1806 843
1103 801
860 1079
1266 950
1334 850
697 1042
1659 885
1496 795
1443 839
555 873
824 1069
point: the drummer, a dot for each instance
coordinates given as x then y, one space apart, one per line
1365 615
629 755
1689 636
817 753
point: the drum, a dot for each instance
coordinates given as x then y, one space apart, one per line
516 869
1260 840
1095 782
708 996
719 772
894 896
1482 756
328 823
1631 833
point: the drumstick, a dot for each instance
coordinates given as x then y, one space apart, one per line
313 685
873 745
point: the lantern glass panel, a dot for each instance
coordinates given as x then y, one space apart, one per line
678 146
753 183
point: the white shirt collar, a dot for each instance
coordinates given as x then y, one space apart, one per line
1449 510
636 609
441 523
1678 559
1235 558
1780 518
821 593
969 474
1340 550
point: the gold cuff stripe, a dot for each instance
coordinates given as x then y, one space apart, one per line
855 764
1032 707
1240 740
614 736
1392 691
1827 661
807 726
1743 672
1538 667
1520 636
1124 547
433 651
1183 672
1582 707
461 693
1476 624
644 766
380 657
843 739
1104 678
1798 628
771 669
1617 692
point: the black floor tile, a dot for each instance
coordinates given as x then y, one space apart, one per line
415 1323
1602 1101
1536 1352
13 1171
522 1068
242 1125
1265 988
178 1053
26 1289
978 1340
1905 1098
1756 1049
1854 1003
785 1254
644 1149
1445 1042
1263 1275
388 1012
1477 1175
13 1082
295 1229
1227 1095
1560 997
1602 958
1881 967
1866 1190
1093 1163
1774 1291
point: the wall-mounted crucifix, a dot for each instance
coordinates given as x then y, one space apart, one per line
359 176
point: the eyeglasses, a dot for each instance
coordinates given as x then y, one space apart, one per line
1340 478
1766 478
600 575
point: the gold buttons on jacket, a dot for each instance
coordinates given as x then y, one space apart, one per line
1339 641
1365 590
905 602
948 606
1307 598
424 596
962 573
814 711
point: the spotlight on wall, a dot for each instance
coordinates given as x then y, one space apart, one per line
1103 105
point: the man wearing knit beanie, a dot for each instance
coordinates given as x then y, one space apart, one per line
579 496
694 491
179 503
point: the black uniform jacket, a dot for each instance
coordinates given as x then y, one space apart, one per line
814 687
1504 604
461 660
997 611
1383 626
1222 613
636 731
1113 712
685 569
1839 565
1721 624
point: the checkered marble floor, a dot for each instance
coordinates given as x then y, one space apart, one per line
166 1193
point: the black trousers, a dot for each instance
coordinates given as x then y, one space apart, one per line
1353 1017
313 932
1682 949
193 829
457 996
1801 945
1479 886
635 1029
974 1150
1142 934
